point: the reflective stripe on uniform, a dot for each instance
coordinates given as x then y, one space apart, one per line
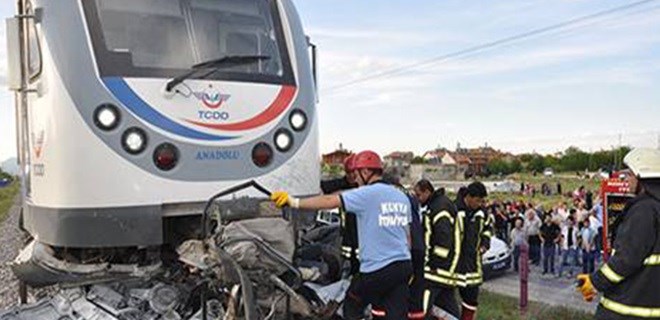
488 233
427 297
458 232
378 313
470 275
441 252
469 307
441 272
653 260
439 279
469 282
610 274
623 309
443 214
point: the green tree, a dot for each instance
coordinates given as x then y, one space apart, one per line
418 160
574 159
536 164
498 166
515 166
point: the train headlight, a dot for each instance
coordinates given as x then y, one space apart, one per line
262 154
106 117
298 120
166 156
134 140
283 140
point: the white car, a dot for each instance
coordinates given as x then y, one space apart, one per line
497 259
548 172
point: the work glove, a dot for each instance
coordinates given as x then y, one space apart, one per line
586 287
282 199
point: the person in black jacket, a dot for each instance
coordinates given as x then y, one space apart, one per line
349 237
630 279
476 229
442 252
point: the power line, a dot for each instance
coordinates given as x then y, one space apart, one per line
488 45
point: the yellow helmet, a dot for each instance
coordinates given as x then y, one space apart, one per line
644 162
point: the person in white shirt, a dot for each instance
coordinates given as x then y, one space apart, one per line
569 246
518 240
533 230
588 245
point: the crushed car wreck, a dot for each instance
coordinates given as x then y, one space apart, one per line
249 268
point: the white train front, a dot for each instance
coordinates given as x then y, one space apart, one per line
109 153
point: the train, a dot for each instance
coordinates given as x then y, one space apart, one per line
132 113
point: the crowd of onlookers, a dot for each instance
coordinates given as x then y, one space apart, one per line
564 238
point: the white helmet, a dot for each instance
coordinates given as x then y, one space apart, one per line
644 162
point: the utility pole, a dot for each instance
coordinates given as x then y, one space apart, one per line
618 149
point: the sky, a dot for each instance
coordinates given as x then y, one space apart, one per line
592 85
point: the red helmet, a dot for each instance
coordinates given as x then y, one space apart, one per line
367 160
349 163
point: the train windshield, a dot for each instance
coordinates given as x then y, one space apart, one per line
163 38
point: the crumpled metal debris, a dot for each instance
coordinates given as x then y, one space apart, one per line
119 301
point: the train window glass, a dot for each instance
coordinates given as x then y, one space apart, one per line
162 38
34 50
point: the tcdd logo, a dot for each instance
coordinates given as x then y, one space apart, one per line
211 100
212 115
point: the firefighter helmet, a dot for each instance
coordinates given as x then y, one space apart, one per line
367 160
644 162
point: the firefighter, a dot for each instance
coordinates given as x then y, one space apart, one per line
442 241
348 225
476 229
383 216
629 281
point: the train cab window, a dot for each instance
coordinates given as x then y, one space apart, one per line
163 38
34 49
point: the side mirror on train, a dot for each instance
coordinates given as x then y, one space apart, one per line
313 57
13 53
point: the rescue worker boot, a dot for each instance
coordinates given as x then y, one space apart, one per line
468 312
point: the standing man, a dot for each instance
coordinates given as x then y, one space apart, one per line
550 235
588 245
383 217
630 279
477 230
416 283
348 224
569 240
518 240
533 228
442 252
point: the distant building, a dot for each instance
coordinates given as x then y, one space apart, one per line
399 159
479 158
443 164
336 157
434 157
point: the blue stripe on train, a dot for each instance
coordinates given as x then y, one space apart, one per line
144 111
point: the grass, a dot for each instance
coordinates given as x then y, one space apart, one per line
568 182
7 196
498 307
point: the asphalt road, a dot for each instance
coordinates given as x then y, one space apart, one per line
550 290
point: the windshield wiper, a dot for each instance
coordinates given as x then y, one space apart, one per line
214 65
